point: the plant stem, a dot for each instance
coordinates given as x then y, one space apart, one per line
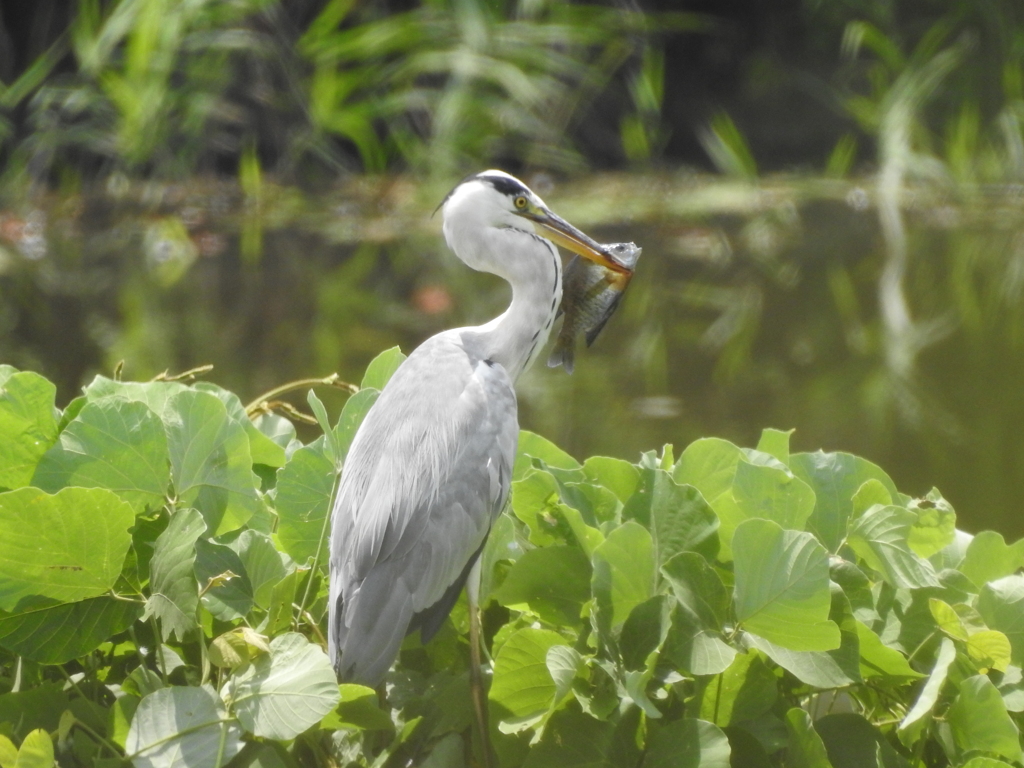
328 381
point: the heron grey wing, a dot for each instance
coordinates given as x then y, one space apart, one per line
427 472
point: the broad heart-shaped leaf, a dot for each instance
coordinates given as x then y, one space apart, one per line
36 751
698 589
618 476
352 415
694 648
709 465
805 748
1001 605
624 573
989 558
775 443
935 527
533 446
822 669
182 727
879 537
782 587
174 592
262 449
914 721
979 720
852 742
574 740
760 491
210 461
303 501
746 690
283 693
381 368
523 687
262 562
55 634
879 660
553 582
835 478
687 743
116 444
68 546
224 584
155 394
677 516
28 426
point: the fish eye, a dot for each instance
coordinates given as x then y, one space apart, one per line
520 202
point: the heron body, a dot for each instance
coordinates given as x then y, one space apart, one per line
430 467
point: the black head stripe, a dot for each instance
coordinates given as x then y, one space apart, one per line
502 184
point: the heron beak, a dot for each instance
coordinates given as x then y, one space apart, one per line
562 233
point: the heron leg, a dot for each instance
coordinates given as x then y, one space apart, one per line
476 682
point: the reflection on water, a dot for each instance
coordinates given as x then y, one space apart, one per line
752 307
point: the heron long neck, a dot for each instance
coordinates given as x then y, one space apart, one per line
516 337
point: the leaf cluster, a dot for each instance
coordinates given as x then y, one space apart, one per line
163 591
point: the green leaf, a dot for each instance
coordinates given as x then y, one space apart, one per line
533 446
281 694
709 465
879 660
1001 605
56 634
155 394
989 558
880 538
36 751
979 720
677 516
624 571
990 649
535 499
358 708
935 527
210 461
853 742
68 546
28 426
575 740
695 649
764 492
352 415
822 669
553 582
262 448
262 563
182 726
618 476
303 501
116 444
687 743
698 589
835 478
226 591
805 748
523 687
782 587
564 664
38 707
174 592
744 691
914 721
775 443
871 492
381 368
8 752
985 762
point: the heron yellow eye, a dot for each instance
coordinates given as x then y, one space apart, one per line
520 202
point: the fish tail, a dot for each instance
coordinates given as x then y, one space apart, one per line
562 354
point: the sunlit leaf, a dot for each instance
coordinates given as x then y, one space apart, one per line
262 562
745 690
782 587
990 649
69 546
36 751
805 748
210 461
698 588
358 707
709 465
618 476
281 694
174 592
989 558
553 582
262 448
182 726
56 634
523 687
835 478
225 589
677 516
879 660
687 743
1001 604
116 444
381 368
352 415
624 572
915 719
979 720
935 527
880 538
304 488
28 426
533 446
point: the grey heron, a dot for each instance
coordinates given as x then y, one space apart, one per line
430 468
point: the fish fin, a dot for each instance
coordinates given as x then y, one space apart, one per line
593 332
562 354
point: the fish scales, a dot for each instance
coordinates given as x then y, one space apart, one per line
590 295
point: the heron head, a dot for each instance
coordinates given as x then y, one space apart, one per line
497 199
